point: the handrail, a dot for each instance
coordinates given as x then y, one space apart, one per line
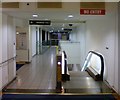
69 42
8 60
102 62
100 75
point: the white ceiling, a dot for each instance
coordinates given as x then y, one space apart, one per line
58 16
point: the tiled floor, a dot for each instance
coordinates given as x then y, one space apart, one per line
39 74
81 82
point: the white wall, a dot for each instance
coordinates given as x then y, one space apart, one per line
4 38
21 22
72 50
32 41
118 47
73 35
4 66
22 26
38 40
79 35
8 40
0 51
22 55
33 32
100 33
11 37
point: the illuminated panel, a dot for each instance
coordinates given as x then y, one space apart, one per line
92 8
95 63
87 63
49 4
58 68
63 63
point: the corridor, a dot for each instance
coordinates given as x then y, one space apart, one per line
40 77
39 74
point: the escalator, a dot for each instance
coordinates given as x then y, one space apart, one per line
72 85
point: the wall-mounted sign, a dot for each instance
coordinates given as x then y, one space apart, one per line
92 11
67 29
39 22
92 8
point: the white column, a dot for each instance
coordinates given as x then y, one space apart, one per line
40 39
4 48
0 52
30 44
11 35
7 51
48 36
118 48
45 35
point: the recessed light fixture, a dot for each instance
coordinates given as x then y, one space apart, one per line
46 19
17 32
70 16
35 15
51 31
62 28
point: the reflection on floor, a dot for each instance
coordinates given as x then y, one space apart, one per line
39 74
40 77
81 82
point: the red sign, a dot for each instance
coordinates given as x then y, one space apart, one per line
92 11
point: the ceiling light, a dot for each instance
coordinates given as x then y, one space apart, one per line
70 16
46 19
51 31
35 15
17 32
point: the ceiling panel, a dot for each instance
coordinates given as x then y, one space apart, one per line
10 5
49 4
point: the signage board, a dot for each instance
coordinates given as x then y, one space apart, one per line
67 29
92 11
92 8
39 22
